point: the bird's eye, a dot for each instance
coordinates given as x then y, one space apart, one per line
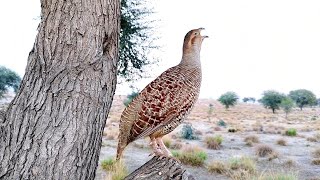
196 33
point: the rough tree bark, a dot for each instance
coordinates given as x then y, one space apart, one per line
53 127
160 168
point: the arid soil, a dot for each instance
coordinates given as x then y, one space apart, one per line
247 119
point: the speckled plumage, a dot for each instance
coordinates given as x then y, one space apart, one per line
163 104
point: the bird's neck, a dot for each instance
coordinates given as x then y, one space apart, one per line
191 58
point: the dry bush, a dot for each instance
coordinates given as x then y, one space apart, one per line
217 167
217 128
316 153
242 164
312 139
278 176
214 142
317 136
251 139
263 150
273 155
118 172
138 145
281 142
167 141
176 145
289 163
316 161
191 155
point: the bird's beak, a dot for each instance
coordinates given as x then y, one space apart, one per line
203 37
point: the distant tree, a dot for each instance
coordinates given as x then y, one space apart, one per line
272 99
245 99
318 102
248 99
303 97
136 39
228 99
287 104
130 97
252 99
8 78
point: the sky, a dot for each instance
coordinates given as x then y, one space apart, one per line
253 45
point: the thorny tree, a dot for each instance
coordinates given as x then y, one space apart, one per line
53 127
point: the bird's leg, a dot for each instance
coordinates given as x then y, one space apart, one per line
156 150
163 147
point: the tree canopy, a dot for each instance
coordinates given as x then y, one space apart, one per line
136 39
272 99
8 78
303 97
228 99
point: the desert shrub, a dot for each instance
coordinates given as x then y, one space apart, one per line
217 128
278 176
316 153
312 139
316 161
193 156
281 142
108 164
251 139
222 123
217 167
214 142
228 99
263 150
130 98
291 132
243 163
210 111
167 141
289 163
119 171
188 132
176 145
317 136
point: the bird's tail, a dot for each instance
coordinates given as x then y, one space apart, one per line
120 150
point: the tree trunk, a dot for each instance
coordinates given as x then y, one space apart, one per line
53 127
160 168
273 110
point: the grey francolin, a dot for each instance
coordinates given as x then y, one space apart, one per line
164 103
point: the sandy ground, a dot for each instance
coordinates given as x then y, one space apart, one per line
249 119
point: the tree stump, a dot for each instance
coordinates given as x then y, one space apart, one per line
159 168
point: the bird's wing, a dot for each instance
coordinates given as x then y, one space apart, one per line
159 102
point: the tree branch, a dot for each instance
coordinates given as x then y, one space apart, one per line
160 168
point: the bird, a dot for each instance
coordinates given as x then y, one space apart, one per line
165 102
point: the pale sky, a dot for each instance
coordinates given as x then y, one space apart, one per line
253 46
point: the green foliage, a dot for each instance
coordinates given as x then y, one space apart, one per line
272 99
108 164
222 123
248 99
287 104
129 99
192 156
303 97
136 39
291 132
228 99
8 78
188 132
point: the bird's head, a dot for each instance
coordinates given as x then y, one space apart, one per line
193 40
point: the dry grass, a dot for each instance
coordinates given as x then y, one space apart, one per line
176 145
111 132
263 150
167 141
214 142
277 176
251 139
316 161
217 167
316 153
281 142
191 155
289 163
119 172
312 139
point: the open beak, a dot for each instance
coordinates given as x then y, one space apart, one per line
203 37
